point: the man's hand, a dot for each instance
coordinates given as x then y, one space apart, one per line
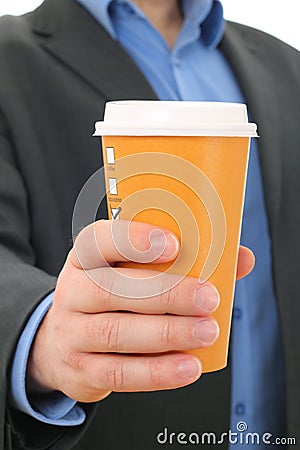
93 340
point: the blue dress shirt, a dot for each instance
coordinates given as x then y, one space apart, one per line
195 69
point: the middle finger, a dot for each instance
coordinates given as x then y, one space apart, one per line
173 294
138 333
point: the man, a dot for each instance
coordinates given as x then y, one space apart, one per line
59 67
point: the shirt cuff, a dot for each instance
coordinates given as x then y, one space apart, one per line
53 408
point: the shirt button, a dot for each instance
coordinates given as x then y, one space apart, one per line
240 409
237 313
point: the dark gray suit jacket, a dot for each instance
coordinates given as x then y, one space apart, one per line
58 67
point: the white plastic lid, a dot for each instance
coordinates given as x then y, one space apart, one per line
174 118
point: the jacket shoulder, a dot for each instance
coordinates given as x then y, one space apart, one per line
18 48
276 55
262 40
15 29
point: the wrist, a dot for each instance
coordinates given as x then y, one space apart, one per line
39 377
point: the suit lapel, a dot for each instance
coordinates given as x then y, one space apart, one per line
64 28
244 55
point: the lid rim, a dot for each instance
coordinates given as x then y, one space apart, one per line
195 134
246 129
174 118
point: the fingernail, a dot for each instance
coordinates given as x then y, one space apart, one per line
164 244
190 369
207 331
207 298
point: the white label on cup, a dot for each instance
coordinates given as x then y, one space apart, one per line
113 186
110 154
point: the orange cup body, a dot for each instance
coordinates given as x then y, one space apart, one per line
194 186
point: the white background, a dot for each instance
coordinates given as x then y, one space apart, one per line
277 17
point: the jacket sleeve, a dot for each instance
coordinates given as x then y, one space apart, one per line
22 287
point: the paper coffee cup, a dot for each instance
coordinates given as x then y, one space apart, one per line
182 166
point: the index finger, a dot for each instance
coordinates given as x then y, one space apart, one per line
108 241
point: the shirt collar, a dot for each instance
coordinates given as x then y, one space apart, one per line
207 14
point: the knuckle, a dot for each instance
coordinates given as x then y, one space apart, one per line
75 360
99 285
167 333
168 296
155 372
115 375
105 289
109 332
